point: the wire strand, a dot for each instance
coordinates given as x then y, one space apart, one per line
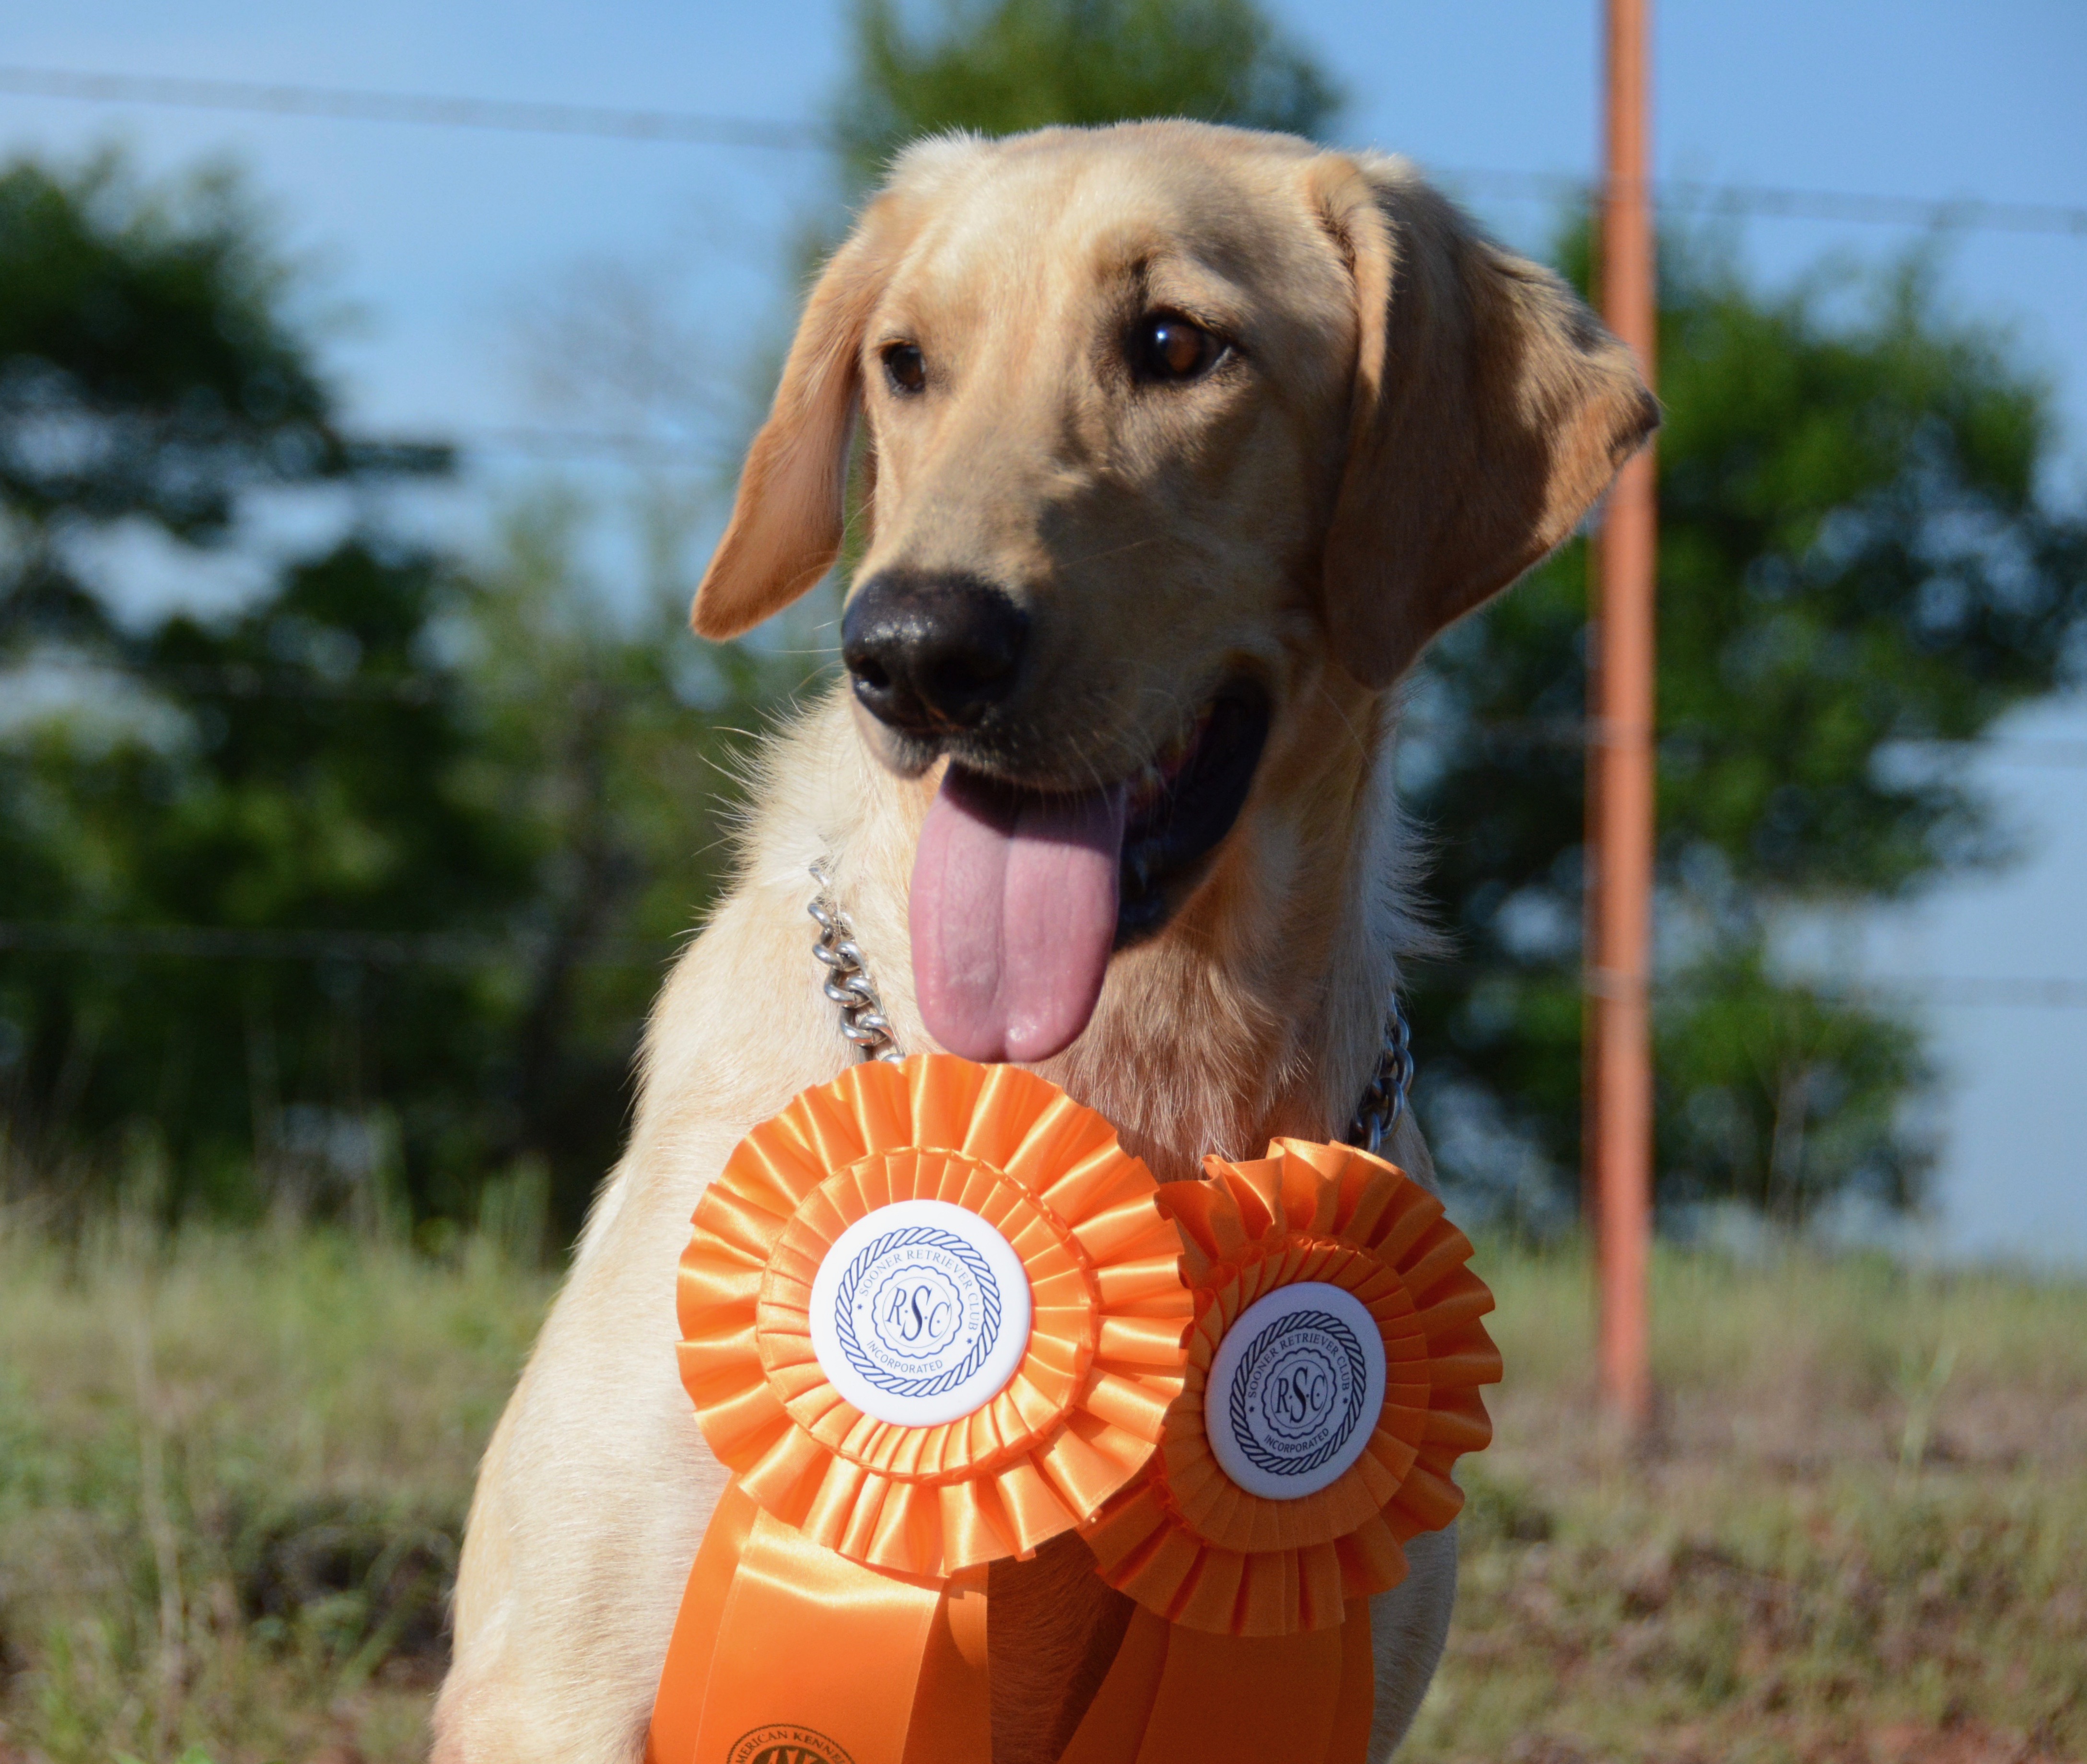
702 129
347 105
421 686
386 949
376 948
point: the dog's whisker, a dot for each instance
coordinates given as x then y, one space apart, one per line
1355 735
1112 551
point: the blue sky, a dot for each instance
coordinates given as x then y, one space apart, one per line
436 240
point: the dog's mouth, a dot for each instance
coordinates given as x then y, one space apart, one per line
1021 894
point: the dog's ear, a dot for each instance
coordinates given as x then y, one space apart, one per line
1490 409
785 530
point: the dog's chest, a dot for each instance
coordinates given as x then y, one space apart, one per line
1053 1630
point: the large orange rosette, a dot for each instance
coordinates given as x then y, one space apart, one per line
973 1254
1332 1382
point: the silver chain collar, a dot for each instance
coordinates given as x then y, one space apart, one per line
847 981
1383 1097
863 1021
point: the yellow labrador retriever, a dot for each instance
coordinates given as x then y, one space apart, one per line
1180 442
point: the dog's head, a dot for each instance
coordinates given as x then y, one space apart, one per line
1173 436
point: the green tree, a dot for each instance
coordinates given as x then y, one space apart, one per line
249 940
606 743
1855 566
153 373
1003 66
353 897
149 370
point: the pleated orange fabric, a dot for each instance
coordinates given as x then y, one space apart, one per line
849 1606
1253 1639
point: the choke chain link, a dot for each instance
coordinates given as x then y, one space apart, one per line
847 981
1384 1100
863 1021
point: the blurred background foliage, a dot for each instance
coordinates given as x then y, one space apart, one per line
351 900
1857 577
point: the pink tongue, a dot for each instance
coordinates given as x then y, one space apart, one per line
1014 913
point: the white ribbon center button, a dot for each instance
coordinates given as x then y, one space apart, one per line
920 1312
1296 1389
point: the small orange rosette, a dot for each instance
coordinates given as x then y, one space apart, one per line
1332 1382
1021 1322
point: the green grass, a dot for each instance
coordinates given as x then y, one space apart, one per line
232 1476
233 1471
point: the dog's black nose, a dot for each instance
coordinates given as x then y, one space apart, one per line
929 653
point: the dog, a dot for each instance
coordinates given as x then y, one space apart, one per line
1172 446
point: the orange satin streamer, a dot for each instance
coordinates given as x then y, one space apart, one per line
1175 1693
678 1710
902 1676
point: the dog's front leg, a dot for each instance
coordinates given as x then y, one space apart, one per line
594 1492
591 1503
1408 1626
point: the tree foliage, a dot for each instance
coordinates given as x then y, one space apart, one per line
356 895
149 369
255 801
1003 66
1853 562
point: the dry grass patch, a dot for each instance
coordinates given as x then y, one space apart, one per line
1859 1535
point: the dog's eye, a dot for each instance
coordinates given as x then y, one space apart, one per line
906 367
1167 346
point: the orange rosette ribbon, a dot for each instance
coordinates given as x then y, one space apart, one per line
1252 1637
839 1593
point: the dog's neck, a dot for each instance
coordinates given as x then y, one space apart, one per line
1256 1012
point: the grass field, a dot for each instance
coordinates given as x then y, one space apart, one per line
232 1471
